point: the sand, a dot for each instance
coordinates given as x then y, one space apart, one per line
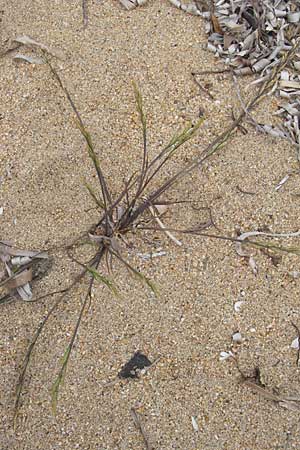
43 165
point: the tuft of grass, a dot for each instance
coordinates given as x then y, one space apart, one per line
123 214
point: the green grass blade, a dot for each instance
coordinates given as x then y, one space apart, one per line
139 103
60 379
94 158
140 276
145 280
185 135
104 280
94 196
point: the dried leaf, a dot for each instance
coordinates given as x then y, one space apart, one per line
20 279
29 42
29 59
216 26
289 84
292 403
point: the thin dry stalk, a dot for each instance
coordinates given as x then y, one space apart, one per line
85 17
292 403
140 427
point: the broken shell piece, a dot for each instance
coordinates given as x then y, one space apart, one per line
135 366
195 424
237 337
237 305
282 182
225 355
295 343
130 4
294 274
253 265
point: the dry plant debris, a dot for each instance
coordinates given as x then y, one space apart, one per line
255 384
20 268
29 43
288 402
251 37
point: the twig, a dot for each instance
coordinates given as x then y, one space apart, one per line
85 16
202 88
243 105
291 403
139 426
10 297
245 192
212 72
163 228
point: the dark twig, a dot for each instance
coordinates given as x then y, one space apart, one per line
245 192
212 72
202 88
10 297
85 16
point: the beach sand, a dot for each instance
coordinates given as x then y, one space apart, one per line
44 164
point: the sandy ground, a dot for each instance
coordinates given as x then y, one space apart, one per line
43 164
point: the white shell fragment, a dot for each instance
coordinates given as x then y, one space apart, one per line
226 355
282 182
253 265
237 337
294 274
195 424
295 343
237 306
